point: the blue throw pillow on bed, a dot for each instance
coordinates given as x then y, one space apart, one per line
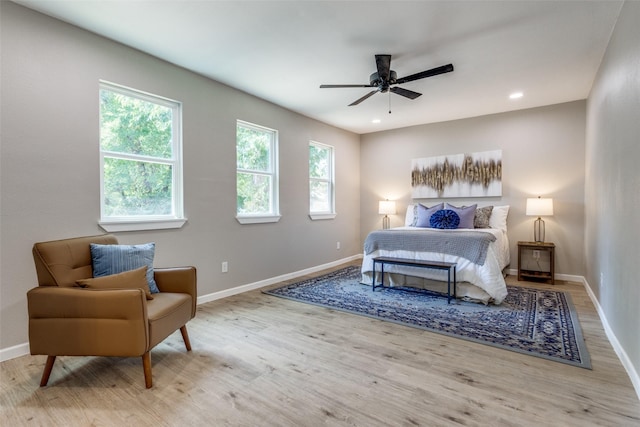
424 214
444 219
113 259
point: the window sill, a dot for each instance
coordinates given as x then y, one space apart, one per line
317 217
160 224
258 219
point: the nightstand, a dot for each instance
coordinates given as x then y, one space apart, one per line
536 261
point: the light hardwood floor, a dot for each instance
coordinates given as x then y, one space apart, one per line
259 360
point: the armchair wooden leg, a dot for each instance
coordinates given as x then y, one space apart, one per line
146 365
47 370
185 337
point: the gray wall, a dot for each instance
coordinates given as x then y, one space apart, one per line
542 154
612 185
50 177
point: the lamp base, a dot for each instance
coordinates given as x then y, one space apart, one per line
538 230
386 222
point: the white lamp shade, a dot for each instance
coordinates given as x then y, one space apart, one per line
540 206
386 207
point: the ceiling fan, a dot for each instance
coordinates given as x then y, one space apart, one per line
384 79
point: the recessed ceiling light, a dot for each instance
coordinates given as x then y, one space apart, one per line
375 121
516 95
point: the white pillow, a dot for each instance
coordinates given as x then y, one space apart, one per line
410 216
498 218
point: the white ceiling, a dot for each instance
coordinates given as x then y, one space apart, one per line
282 51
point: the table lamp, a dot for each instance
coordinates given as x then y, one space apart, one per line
386 207
539 207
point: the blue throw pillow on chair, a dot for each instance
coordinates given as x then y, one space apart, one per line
113 259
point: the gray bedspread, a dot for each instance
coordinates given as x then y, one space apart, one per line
472 245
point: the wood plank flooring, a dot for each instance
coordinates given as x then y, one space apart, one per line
259 360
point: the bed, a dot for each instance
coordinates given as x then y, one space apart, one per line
481 254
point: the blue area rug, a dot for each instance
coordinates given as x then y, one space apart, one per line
536 322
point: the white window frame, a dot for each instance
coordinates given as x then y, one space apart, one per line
148 222
331 213
274 214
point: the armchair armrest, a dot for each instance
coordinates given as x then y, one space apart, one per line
74 321
178 280
52 302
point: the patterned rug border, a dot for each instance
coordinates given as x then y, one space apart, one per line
584 362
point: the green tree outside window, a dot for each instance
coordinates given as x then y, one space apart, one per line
320 178
255 152
138 159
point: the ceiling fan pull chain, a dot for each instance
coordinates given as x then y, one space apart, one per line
389 102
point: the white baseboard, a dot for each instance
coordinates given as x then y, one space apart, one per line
611 336
23 349
622 355
567 277
13 352
262 283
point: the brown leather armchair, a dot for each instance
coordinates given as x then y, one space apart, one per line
65 320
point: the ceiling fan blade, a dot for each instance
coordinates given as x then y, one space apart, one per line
429 73
337 86
404 92
358 101
383 62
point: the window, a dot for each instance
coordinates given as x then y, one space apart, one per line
140 160
257 174
321 181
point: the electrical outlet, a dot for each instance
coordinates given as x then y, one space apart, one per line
225 266
338 245
536 254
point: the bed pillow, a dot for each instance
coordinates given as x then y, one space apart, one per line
444 219
133 279
499 217
113 259
424 214
481 220
411 216
466 214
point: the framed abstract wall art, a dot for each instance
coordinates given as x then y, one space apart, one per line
459 175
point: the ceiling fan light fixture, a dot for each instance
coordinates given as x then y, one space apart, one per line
384 79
